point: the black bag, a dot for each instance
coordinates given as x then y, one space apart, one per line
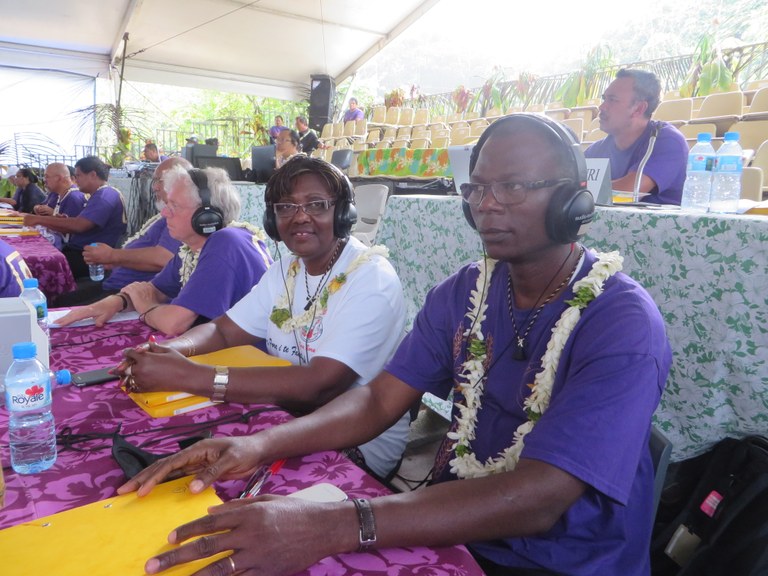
722 530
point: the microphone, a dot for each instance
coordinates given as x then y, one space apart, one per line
644 161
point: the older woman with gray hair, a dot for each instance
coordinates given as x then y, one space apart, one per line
219 261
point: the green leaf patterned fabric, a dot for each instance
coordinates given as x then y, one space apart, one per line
708 275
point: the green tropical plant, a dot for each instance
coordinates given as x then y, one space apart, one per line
708 72
582 85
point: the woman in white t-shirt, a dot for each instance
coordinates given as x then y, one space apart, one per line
335 310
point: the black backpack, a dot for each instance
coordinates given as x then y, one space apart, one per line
722 528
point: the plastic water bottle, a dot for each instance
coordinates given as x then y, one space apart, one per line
726 183
96 271
31 430
698 175
34 296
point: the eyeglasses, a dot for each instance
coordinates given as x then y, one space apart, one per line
508 193
314 208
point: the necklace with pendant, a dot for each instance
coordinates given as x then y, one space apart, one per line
324 278
519 352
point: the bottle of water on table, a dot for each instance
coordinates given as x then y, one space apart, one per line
96 271
34 296
31 429
698 175
726 183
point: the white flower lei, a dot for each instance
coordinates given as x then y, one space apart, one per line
190 257
472 378
143 229
281 313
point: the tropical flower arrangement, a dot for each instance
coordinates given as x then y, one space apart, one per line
471 379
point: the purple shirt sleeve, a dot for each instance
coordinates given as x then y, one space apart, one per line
229 266
106 210
73 204
13 271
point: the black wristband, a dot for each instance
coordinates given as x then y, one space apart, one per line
367 534
124 298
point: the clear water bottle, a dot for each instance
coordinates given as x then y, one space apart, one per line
96 271
34 296
698 175
726 183
31 429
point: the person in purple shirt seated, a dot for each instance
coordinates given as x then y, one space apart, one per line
353 113
556 361
64 198
148 251
152 154
28 193
102 220
220 260
625 115
13 271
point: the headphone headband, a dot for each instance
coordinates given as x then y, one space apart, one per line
206 220
572 206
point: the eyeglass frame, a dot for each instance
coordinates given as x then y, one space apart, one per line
517 186
327 205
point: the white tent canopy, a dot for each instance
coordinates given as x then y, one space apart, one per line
263 47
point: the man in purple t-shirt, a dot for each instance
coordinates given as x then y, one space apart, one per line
219 262
625 115
557 362
353 113
102 220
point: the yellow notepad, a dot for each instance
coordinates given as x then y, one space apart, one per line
162 404
113 537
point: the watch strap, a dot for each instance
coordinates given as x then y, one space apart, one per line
367 535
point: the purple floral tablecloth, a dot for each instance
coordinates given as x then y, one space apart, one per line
46 263
85 471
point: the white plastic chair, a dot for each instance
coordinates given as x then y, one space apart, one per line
370 201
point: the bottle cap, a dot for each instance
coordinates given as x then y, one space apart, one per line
731 136
704 137
24 350
63 377
93 244
30 283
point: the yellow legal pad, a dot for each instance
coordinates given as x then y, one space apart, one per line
162 404
114 537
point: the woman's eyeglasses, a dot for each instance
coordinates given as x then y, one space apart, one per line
314 208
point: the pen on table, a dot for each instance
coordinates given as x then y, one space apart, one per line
255 482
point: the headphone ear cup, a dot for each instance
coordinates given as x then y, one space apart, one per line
568 213
344 213
270 223
468 214
206 220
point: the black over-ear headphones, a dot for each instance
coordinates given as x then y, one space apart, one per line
207 219
572 206
344 212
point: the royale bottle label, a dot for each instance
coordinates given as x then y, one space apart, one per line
29 399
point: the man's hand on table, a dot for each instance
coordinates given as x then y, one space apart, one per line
143 295
268 534
101 312
43 210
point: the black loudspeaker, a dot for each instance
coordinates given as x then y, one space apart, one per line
344 211
206 220
321 97
572 206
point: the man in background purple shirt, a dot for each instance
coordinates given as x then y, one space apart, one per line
625 115
354 113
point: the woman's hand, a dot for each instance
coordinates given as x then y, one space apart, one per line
155 367
100 311
209 460
269 535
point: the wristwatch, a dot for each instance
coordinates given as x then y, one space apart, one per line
220 382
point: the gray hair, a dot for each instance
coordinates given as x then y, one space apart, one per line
224 195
